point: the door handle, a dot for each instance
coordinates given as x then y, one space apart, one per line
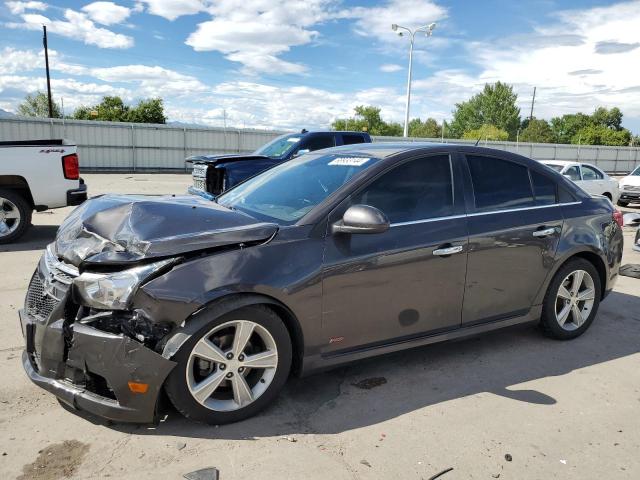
443 252
545 232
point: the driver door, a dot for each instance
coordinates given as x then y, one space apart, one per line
394 285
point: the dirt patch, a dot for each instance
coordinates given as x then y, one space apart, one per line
369 383
56 461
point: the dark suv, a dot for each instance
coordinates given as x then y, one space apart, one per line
333 256
213 174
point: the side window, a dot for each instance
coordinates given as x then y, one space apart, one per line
352 139
590 173
318 142
573 173
544 189
416 190
499 184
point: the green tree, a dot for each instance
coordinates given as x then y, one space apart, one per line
565 127
486 132
147 111
601 135
113 109
427 129
537 131
609 118
368 119
495 105
38 106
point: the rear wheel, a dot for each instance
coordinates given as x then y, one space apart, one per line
622 203
572 300
232 368
15 215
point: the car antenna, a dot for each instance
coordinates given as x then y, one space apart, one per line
478 141
304 130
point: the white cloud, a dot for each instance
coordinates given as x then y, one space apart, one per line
20 7
256 32
376 21
172 9
76 25
152 81
390 68
106 13
571 71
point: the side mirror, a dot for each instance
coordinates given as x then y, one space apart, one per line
567 176
302 152
362 219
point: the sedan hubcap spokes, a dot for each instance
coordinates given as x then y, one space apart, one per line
232 365
575 300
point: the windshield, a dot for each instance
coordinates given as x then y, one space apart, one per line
279 146
286 192
636 172
557 168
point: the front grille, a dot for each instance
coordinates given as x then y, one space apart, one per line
39 303
199 183
48 285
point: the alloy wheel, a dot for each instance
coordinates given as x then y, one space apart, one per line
575 300
232 365
9 217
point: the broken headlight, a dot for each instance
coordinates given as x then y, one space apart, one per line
113 291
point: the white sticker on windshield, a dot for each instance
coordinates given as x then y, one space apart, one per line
349 161
293 140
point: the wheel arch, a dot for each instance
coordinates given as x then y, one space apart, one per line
18 184
229 303
592 258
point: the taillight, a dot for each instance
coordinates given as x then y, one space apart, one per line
71 167
617 216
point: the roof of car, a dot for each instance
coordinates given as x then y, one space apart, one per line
386 149
564 163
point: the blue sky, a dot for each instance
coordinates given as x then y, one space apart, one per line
301 63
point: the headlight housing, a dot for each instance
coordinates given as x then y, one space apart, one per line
113 291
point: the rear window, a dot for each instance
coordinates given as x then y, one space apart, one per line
544 189
499 184
348 139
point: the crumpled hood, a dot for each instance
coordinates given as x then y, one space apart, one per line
114 229
216 159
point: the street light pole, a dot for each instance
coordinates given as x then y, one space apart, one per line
408 102
428 31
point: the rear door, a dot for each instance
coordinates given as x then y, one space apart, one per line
593 180
400 283
514 227
316 141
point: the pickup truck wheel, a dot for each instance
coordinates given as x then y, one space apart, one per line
622 203
232 368
15 215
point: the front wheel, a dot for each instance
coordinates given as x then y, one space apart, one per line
232 368
622 203
572 300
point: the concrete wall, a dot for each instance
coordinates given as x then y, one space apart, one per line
118 146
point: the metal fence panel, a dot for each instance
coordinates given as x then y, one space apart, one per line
148 147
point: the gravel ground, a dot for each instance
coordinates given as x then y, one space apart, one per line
511 404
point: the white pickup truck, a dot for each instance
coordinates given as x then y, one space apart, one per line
36 175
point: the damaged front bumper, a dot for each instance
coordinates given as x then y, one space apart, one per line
96 372
86 367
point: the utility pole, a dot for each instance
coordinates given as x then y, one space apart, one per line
46 61
533 100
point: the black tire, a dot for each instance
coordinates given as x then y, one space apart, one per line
176 384
622 204
548 321
24 210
